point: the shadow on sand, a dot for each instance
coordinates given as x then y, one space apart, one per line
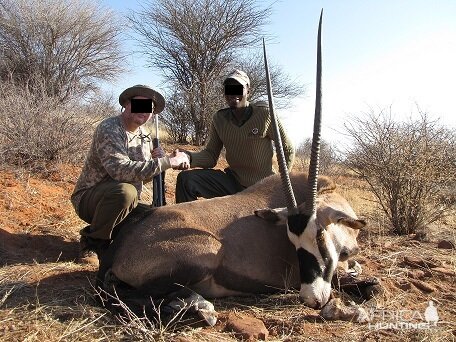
29 248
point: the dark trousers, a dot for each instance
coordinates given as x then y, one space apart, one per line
206 183
104 206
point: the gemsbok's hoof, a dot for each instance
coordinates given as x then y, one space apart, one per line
196 304
335 310
354 268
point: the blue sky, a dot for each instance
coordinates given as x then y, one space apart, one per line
376 54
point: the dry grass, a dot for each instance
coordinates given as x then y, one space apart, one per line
45 295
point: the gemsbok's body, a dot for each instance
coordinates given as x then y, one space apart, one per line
228 246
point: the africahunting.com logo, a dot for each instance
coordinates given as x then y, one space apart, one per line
380 319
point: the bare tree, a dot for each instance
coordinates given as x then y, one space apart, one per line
410 167
193 43
177 119
67 45
283 87
328 155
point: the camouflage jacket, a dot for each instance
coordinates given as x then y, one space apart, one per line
120 155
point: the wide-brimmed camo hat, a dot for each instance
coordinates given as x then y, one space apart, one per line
146 91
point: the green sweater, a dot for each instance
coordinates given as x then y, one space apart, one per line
249 148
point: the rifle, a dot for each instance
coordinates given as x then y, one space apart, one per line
158 192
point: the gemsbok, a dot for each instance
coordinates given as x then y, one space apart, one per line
227 246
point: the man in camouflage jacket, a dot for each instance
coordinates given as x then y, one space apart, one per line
121 158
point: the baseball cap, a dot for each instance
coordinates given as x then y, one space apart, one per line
240 76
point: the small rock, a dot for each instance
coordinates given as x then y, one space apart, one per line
416 274
444 270
9 205
413 243
336 310
420 236
419 262
422 285
404 286
388 244
445 244
427 273
182 339
246 327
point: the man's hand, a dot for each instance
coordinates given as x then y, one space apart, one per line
185 151
158 152
179 160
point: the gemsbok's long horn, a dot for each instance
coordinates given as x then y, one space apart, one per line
284 174
312 180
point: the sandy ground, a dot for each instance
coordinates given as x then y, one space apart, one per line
46 295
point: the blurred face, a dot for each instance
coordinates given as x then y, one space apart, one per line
236 94
137 111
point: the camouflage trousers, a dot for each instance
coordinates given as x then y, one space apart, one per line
106 205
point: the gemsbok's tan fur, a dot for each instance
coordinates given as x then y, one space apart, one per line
231 246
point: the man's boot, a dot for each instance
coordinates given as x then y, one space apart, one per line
90 249
87 251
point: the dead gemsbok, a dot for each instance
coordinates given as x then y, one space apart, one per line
227 246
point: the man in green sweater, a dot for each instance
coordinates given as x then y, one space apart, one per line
245 130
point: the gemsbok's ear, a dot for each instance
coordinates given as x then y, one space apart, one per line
352 223
277 216
330 215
